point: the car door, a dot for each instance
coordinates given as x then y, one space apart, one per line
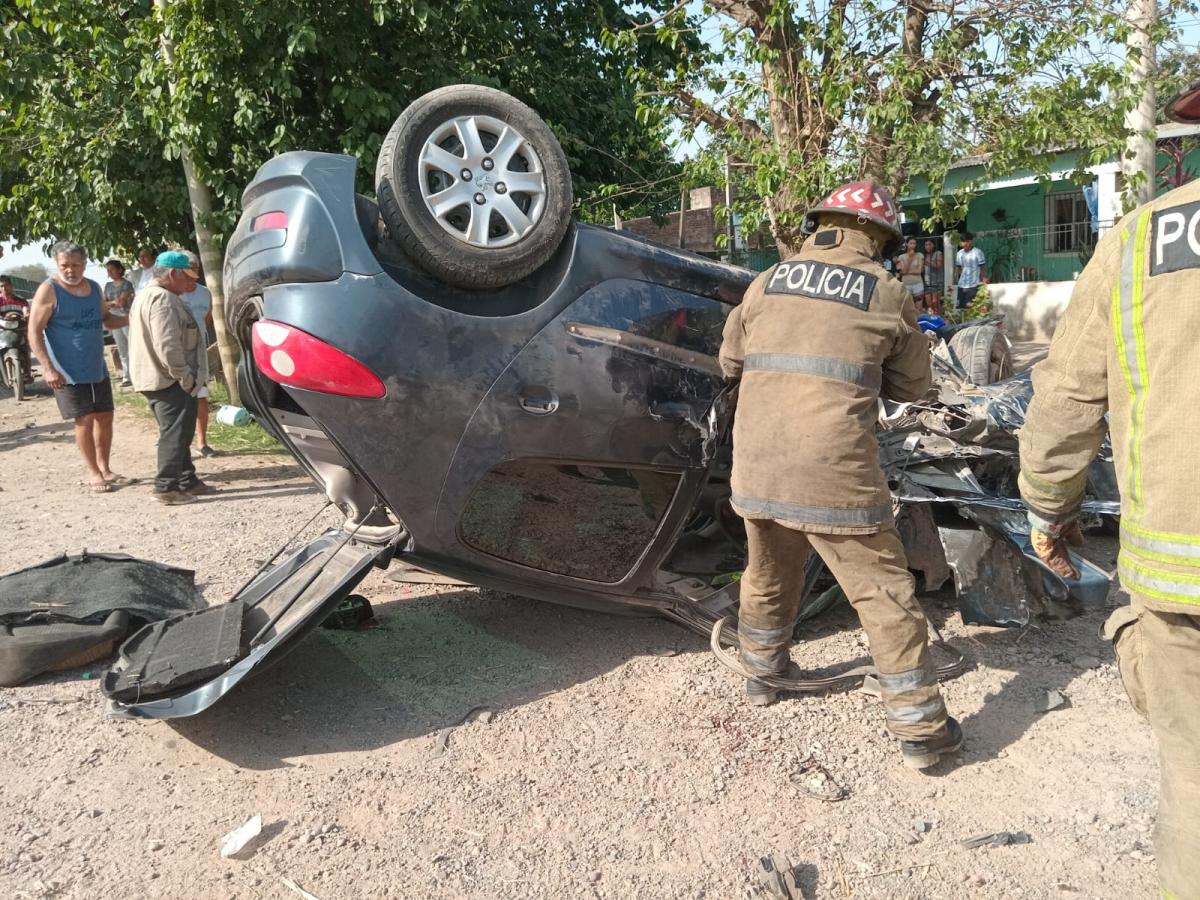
588 452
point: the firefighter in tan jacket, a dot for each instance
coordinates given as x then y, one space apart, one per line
816 341
1129 345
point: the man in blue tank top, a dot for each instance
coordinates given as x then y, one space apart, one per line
65 334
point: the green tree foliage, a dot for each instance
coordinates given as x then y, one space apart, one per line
1178 67
805 94
90 135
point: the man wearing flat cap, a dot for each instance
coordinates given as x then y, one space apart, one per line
165 356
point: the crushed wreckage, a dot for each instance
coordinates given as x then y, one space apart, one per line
951 462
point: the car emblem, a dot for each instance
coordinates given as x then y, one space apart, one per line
483 181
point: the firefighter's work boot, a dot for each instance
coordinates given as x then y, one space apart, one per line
923 754
759 693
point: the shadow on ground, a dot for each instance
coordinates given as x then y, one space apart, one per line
283 490
255 473
56 432
436 658
432 661
1013 709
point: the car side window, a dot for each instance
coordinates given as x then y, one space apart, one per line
578 520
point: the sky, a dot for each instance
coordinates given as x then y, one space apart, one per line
34 254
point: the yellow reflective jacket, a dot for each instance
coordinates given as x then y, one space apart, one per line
1129 344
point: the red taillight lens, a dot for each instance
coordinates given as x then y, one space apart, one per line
295 358
276 219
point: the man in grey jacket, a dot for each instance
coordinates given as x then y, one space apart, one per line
165 356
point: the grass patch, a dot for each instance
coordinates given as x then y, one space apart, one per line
246 439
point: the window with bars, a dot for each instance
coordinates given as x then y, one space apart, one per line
1068 222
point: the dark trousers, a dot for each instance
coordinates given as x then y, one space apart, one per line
175 411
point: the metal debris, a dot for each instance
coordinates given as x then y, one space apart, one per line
951 460
403 573
997 839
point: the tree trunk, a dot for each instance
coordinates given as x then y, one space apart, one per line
213 260
201 199
797 134
1139 164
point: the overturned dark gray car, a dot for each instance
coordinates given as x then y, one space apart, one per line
496 394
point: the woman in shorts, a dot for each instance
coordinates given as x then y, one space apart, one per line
935 277
912 271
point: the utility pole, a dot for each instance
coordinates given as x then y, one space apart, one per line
1138 165
683 204
729 224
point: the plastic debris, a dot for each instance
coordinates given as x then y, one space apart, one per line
1049 700
234 842
236 416
871 688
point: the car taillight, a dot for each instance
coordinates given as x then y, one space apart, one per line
295 358
274 219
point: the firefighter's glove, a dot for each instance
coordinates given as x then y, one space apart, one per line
1050 541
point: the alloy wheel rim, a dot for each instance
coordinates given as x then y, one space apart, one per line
482 182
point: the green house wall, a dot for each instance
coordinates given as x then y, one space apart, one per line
1018 257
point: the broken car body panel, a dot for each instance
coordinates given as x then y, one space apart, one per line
181 666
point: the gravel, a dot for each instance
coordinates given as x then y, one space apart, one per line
609 769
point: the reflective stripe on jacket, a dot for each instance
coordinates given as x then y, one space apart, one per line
816 341
1129 345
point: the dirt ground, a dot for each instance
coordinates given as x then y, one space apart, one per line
621 760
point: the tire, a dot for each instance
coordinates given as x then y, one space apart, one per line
13 374
366 211
984 353
484 233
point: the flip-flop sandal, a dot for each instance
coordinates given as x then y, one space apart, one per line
102 488
120 481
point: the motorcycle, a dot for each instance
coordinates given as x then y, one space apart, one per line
15 368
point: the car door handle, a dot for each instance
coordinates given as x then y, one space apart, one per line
538 401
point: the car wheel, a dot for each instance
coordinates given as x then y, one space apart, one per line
367 212
474 186
984 353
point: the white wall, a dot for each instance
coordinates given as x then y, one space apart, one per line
1031 308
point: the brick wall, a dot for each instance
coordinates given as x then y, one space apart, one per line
699 230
